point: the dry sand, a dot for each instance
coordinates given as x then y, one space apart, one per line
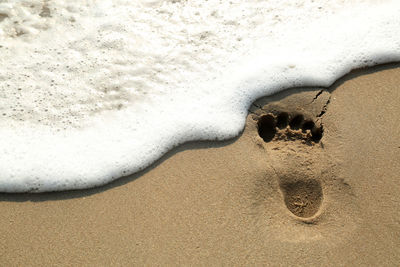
236 202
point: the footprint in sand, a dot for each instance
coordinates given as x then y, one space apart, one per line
302 193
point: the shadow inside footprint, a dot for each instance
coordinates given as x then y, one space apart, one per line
296 122
307 125
282 120
266 127
317 134
303 198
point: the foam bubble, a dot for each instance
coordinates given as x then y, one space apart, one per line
90 92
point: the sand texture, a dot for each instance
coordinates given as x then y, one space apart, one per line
320 186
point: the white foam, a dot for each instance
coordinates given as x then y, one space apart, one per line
95 91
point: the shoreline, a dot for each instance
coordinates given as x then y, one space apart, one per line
224 202
193 145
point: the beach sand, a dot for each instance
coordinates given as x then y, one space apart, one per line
292 200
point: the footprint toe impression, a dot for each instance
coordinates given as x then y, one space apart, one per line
268 126
317 134
282 120
296 122
307 125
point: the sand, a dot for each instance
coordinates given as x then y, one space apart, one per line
290 200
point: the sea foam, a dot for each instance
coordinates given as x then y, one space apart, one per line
91 91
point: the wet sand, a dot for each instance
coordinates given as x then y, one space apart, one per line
328 195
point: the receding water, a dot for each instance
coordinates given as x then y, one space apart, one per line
94 90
